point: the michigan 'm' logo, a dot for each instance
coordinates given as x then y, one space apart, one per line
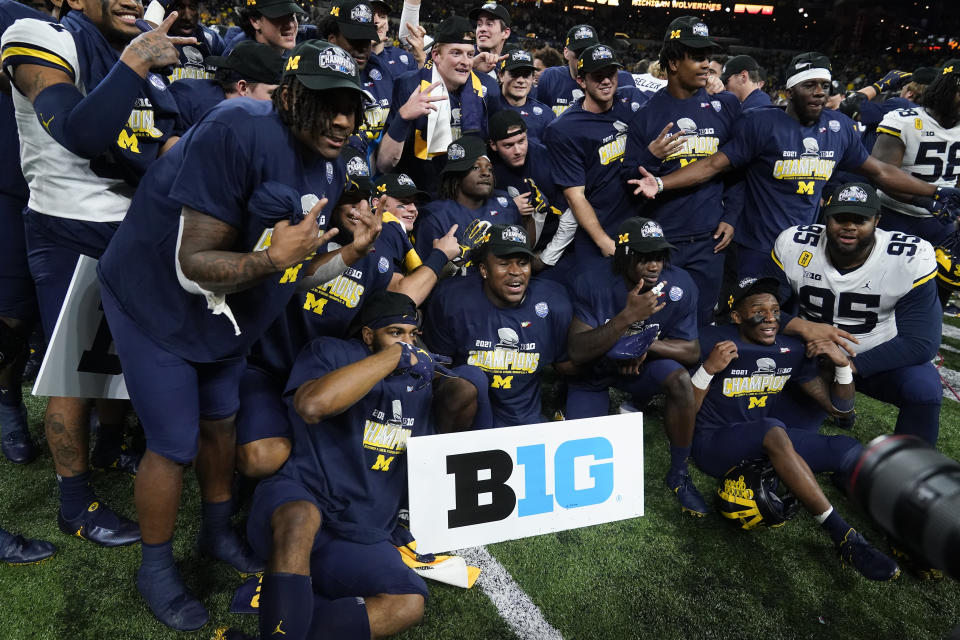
382 463
805 187
756 401
502 382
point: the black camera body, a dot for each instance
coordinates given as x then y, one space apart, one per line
913 492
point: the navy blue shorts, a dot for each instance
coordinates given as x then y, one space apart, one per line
263 413
589 399
17 296
53 247
716 450
338 568
705 267
171 395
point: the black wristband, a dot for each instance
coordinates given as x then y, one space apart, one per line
436 261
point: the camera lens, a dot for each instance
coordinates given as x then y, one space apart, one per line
913 492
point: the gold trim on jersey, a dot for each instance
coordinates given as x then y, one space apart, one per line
889 131
773 254
31 52
920 281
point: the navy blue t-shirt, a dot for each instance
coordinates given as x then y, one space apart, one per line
757 98
557 90
535 114
534 177
355 463
586 149
598 295
511 345
330 308
750 386
787 165
395 60
194 98
707 122
12 182
213 169
437 217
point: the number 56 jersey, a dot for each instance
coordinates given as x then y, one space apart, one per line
860 301
930 152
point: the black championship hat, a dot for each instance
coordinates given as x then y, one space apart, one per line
642 235
383 308
320 65
355 19
455 30
753 286
251 61
854 197
358 173
736 64
581 36
691 32
517 59
494 9
506 240
594 58
274 8
501 122
398 185
463 152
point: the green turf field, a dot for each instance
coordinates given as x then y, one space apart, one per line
660 576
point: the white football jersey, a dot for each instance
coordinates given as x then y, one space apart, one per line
61 184
861 301
931 152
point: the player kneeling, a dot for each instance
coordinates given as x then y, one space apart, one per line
753 363
325 519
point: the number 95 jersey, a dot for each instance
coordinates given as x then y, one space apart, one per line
860 301
930 153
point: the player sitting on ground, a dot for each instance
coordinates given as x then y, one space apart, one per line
643 296
326 518
752 363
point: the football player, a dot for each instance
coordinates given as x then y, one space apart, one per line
503 323
252 70
789 156
468 201
923 141
18 300
879 286
642 294
741 77
557 87
586 149
516 80
394 60
524 165
91 118
697 222
752 364
437 105
326 519
216 243
272 22
493 30
193 57
398 195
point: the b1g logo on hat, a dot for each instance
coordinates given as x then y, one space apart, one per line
700 29
651 229
513 234
361 13
336 59
852 194
602 53
357 167
404 179
456 152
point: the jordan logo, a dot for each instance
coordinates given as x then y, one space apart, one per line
279 630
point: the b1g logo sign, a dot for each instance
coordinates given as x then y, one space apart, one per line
474 488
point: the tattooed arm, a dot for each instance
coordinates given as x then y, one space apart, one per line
206 259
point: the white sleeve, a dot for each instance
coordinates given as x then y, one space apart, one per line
563 237
39 42
411 14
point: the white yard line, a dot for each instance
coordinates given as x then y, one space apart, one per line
951 331
515 607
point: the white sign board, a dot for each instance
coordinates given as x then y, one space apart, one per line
81 361
478 487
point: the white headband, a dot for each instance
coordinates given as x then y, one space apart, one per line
808 74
